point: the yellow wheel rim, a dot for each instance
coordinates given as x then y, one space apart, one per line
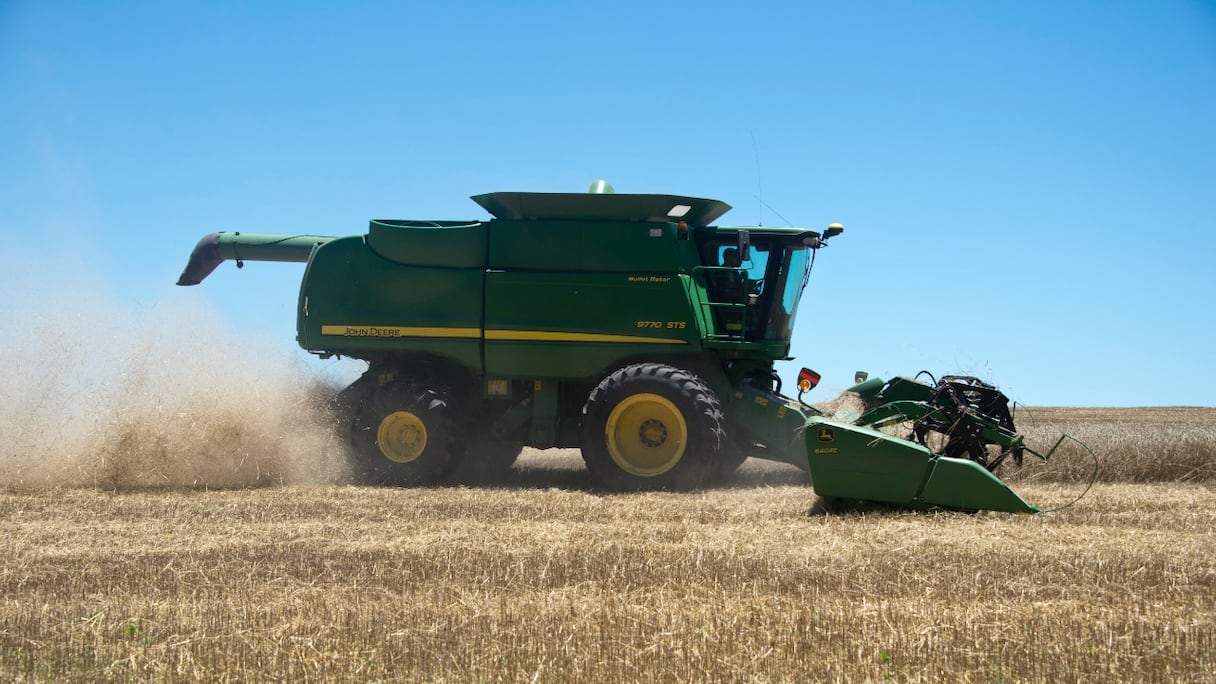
646 435
401 437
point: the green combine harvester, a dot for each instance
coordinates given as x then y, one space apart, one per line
626 325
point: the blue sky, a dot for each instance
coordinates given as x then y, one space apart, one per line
1028 188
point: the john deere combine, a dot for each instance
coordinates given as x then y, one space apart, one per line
626 325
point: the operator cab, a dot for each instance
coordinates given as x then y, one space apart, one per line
754 282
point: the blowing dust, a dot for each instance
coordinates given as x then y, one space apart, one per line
98 395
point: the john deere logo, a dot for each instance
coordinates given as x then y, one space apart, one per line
826 435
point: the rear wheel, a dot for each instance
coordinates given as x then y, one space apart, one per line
403 435
652 426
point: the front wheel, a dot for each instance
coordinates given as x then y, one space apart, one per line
652 426
403 435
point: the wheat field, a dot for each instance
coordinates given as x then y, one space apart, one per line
543 578
172 511
1157 444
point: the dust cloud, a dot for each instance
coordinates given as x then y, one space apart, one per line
101 395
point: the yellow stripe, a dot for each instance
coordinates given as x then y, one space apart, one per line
549 336
398 331
498 335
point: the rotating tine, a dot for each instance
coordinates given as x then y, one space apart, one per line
1051 451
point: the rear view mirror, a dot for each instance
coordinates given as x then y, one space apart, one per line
745 242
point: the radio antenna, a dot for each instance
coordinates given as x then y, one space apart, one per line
759 183
770 208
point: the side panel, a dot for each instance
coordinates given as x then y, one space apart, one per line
574 325
853 462
966 484
355 303
588 246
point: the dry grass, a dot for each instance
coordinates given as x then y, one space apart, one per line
1130 444
120 561
541 583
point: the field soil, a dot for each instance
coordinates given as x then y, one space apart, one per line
545 578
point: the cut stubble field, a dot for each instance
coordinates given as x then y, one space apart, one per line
544 578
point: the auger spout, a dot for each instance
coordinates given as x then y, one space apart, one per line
216 248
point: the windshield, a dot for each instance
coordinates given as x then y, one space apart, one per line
756 298
793 276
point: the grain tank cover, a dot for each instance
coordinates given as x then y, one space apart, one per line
578 206
447 244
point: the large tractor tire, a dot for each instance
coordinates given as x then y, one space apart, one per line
403 435
484 462
729 460
652 426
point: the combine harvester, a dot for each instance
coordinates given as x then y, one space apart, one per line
625 325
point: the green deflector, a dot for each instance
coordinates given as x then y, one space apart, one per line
958 483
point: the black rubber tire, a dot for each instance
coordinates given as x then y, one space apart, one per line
697 406
430 408
484 462
344 406
729 459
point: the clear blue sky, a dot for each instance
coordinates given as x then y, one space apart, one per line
1028 188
